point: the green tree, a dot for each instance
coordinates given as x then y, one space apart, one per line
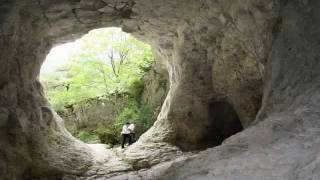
109 62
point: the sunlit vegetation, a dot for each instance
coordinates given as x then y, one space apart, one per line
110 64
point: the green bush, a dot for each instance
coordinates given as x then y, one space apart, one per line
142 116
87 136
128 113
108 134
145 119
135 89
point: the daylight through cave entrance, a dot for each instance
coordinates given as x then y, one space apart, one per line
101 81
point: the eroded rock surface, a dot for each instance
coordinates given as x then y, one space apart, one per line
214 50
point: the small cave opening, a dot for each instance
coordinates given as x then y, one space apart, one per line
223 123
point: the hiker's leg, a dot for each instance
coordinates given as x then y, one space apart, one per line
133 137
123 140
130 139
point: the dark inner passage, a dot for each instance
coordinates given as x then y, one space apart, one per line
224 122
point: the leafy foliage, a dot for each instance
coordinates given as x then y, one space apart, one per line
108 62
87 136
108 134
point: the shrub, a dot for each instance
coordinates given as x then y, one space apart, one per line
145 119
108 135
142 116
87 136
135 89
128 113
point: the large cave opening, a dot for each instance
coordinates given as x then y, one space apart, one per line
100 82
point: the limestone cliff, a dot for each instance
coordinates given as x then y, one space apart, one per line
90 113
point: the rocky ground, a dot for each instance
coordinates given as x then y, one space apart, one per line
113 163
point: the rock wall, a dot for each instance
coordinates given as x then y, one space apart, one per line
215 51
218 55
155 88
283 143
93 112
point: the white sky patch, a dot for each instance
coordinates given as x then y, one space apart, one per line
58 56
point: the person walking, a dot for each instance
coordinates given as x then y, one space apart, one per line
125 134
132 133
